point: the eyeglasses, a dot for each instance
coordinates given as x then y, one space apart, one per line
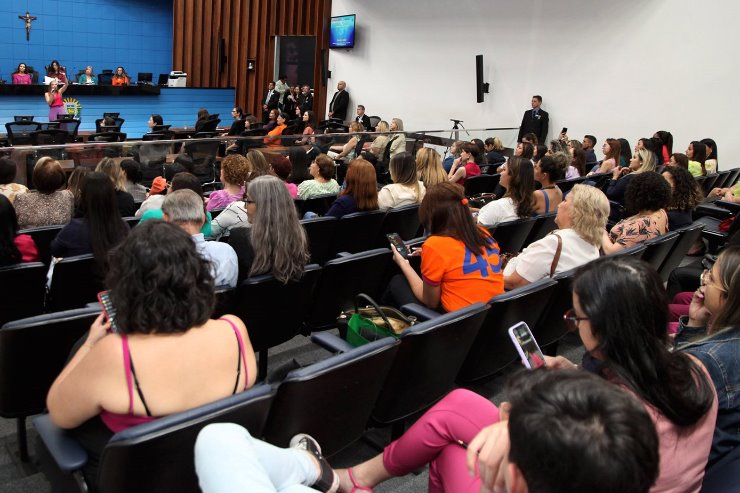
707 279
571 320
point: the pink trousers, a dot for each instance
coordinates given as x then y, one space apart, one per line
433 440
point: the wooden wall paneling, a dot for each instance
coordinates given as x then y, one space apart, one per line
249 28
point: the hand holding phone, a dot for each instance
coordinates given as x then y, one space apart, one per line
398 244
108 309
526 346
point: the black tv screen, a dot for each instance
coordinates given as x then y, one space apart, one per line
342 31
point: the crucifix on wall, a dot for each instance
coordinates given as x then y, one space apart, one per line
28 19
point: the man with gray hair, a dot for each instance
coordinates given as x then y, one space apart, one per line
185 209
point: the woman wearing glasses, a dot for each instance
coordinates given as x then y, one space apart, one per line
620 312
713 327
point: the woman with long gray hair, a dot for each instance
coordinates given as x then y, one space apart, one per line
276 242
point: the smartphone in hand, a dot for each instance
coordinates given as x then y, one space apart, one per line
526 346
108 309
398 244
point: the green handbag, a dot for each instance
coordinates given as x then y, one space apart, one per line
375 322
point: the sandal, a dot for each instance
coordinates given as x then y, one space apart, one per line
328 480
356 486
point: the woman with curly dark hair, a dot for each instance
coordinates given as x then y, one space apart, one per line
647 196
163 293
685 197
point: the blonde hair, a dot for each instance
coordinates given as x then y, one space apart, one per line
429 167
111 168
382 126
647 160
356 127
399 124
589 213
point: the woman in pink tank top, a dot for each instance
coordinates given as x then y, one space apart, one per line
166 354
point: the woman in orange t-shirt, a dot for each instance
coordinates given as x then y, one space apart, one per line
460 262
272 139
120 78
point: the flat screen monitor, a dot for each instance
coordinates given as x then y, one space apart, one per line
23 118
342 31
111 115
144 77
163 79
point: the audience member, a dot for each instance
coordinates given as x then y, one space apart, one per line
454 243
87 77
454 153
49 204
185 209
377 148
429 167
282 88
339 102
305 100
712 329
323 183
273 137
666 143
14 248
578 163
539 152
398 141
124 199
685 196
8 187
646 198
632 351
161 289
536 121
547 172
282 168
679 159
524 150
238 125
481 159
346 152
201 121
624 152
518 202
697 155
98 228
154 121
181 181
465 166
612 150
360 190
132 173
641 162
74 184
154 197
309 129
578 417
235 171
362 118
20 76
406 188
711 162
120 77
589 142
270 101
276 242
494 151
581 220
728 194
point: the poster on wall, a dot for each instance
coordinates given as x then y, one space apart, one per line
295 58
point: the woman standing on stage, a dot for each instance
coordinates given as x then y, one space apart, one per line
54 99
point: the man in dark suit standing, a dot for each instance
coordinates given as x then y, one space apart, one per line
362 118
339 102
270 102
305 100
536 121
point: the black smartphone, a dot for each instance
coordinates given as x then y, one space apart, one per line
526 346
564 130
398 244
108 309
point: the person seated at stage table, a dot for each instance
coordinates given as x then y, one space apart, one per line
239 124
20 76
120 78
49 204
56 71
165 326
273 139
88 78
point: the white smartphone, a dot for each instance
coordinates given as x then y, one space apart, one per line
526 346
